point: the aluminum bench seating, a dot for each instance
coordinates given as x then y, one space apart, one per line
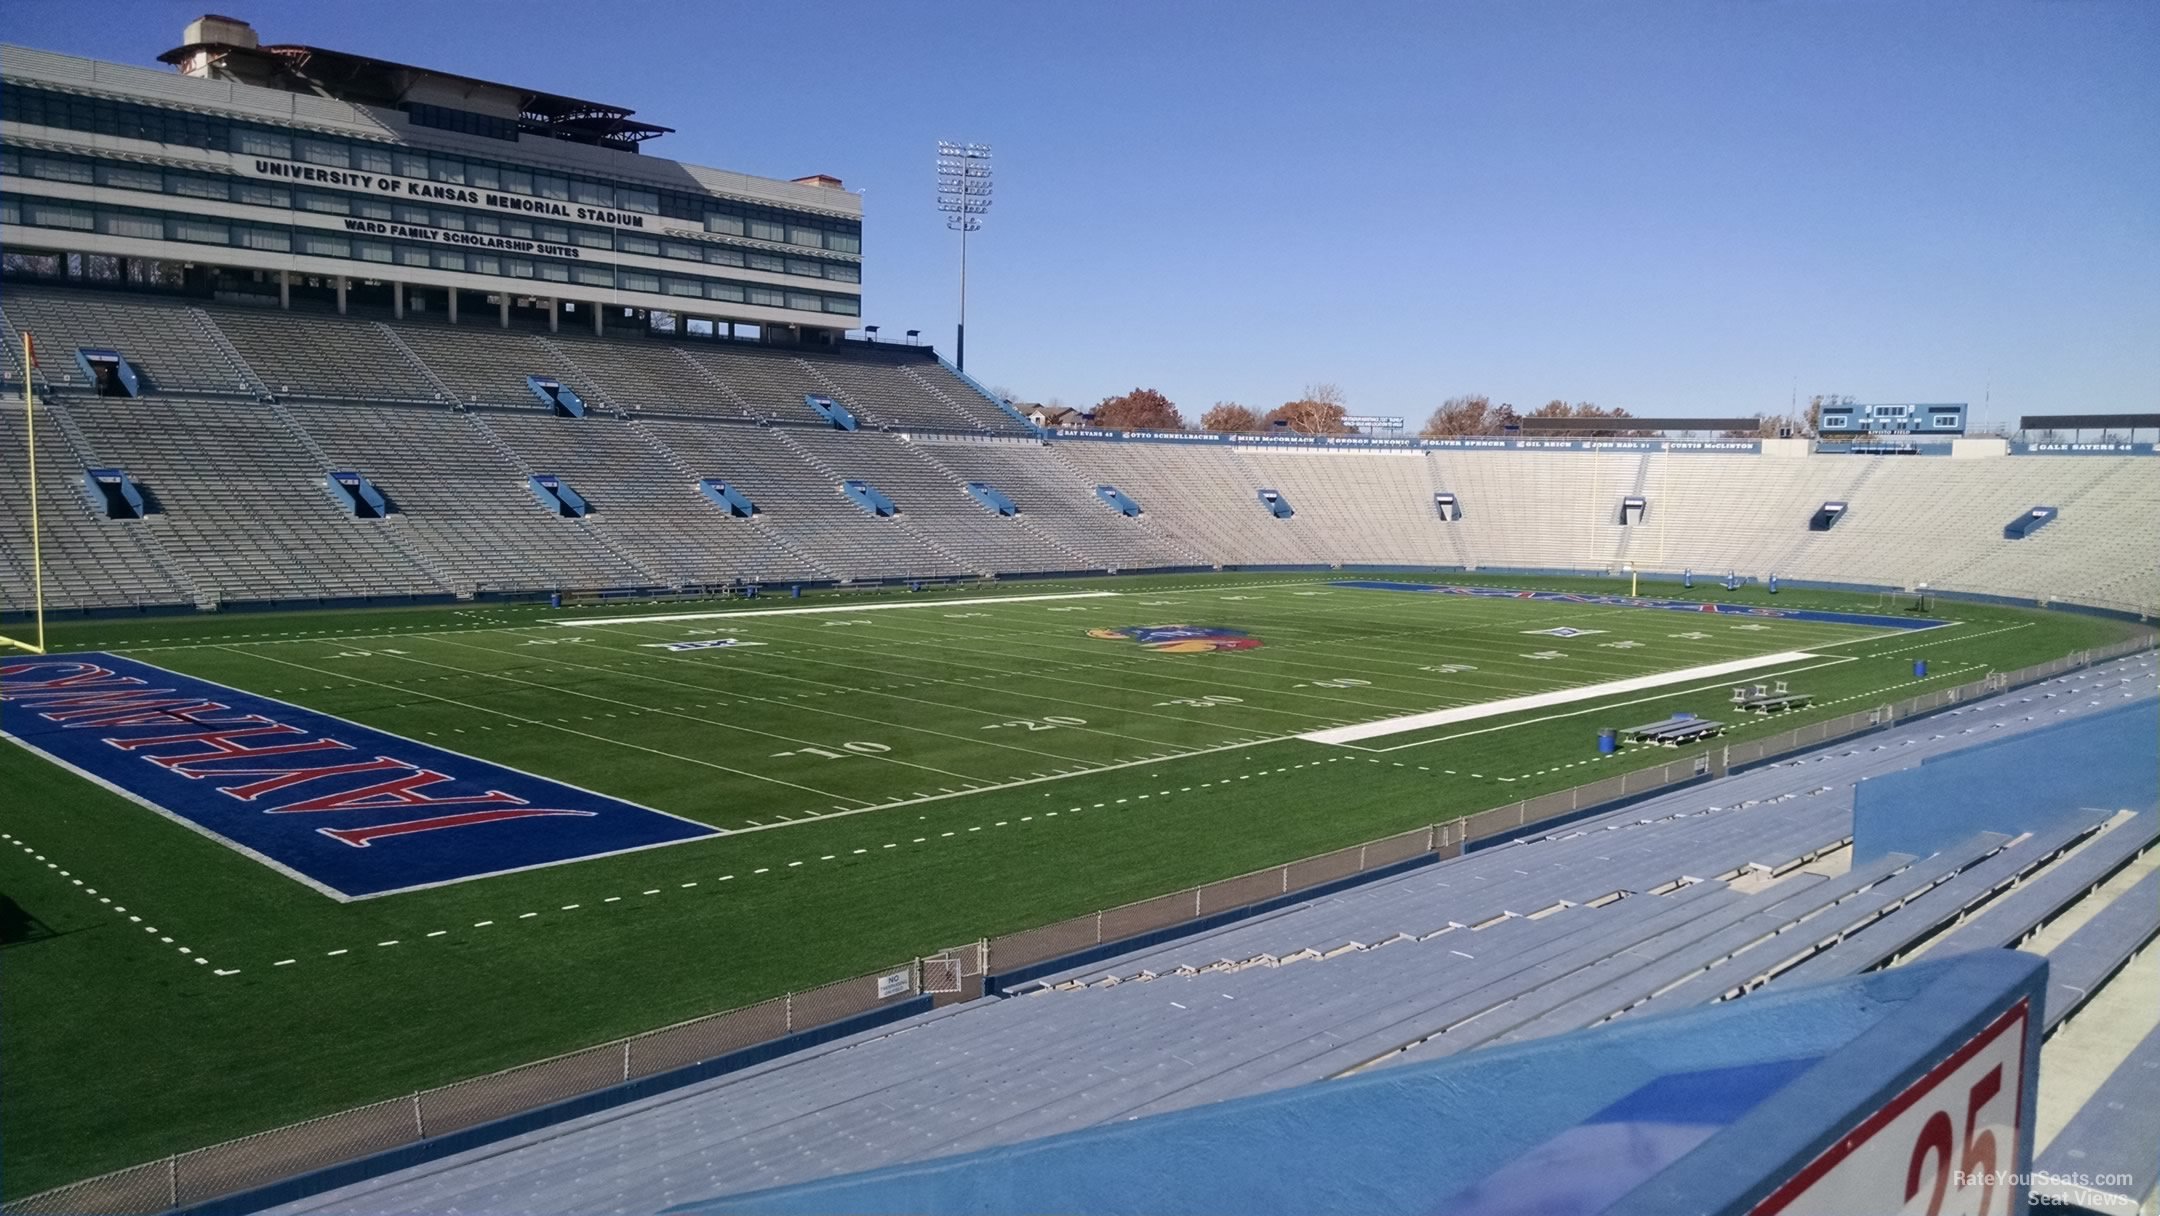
2100 947
2034 902
2117 1132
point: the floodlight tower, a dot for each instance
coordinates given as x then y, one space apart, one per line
963 194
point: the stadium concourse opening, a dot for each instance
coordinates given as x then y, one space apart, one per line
535 706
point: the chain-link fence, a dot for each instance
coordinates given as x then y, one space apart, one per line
267 1157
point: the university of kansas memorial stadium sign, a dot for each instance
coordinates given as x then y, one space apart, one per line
388 186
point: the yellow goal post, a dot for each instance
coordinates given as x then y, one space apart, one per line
35 644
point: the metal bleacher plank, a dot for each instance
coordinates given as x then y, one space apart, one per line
2086 959
2039 900
2117 1132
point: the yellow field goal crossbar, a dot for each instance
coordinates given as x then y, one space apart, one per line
36 645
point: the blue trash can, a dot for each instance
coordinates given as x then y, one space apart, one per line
1608 741
1919 669
554 599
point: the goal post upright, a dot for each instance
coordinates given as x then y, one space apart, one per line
37 537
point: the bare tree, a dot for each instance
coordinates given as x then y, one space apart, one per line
1472 414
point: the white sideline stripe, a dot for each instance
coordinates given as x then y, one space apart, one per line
1490 709
711 616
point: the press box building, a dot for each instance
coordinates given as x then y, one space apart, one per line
263 170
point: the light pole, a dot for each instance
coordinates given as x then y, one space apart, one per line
963 194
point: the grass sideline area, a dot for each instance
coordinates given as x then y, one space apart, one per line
1029 772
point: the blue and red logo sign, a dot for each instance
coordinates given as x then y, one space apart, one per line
1182 639
348 810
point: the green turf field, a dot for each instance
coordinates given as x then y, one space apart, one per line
894 777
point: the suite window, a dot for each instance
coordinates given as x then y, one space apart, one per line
555 233
483 264
253 236
806 301
638 244
768 297
446 259
484 223
56 215
373 208
767 230
249 141
592 238
326 204
412 255
550 186
141 227
408 214
323 245
448 169
261 195
592 193
371 251
554 272
486 177
647 201
518 268
633 281
323 152
806 268
724 291
54 170
452 220
846 305
720 256
373 160
131 177
684 287
189 185
843 242
412 164
199 232
768 261
517 181
725 225
688 253
595 276
841 272
799 234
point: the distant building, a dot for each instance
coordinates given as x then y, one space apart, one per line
1055 417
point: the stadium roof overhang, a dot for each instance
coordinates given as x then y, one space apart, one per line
364 80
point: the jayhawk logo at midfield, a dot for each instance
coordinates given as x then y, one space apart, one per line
1182 639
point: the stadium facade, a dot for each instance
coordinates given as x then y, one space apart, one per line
269 170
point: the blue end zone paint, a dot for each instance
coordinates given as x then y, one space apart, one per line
349 810
2031 782
1623 601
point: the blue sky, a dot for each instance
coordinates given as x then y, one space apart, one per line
1675 208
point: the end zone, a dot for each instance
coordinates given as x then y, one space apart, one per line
346 809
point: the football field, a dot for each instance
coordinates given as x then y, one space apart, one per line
559 826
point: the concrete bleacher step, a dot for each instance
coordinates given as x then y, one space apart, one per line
2031 904
2102 946
2116 1134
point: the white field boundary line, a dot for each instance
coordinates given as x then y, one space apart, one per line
661 618
1361 731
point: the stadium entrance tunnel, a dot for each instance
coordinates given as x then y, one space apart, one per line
727 497
1633 508
1816 1098
1277 505
110 371
1446 504
831 411
1118 501
114 495
992 499
556 495
869 498
356 495
2028 523
558 397
1826 517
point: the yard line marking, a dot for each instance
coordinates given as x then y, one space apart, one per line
1383 727
831 608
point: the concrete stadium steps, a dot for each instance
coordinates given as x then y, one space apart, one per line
1204 499
876 391
645 508
1373 508
168 343
459 500
2102 946
800 503
2115 1134
1524 508
1054 500
242 502
89 561
932 499
478 364
2039 899
298 354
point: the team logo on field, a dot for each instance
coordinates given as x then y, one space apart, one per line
1564 631
705 644
1182 639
